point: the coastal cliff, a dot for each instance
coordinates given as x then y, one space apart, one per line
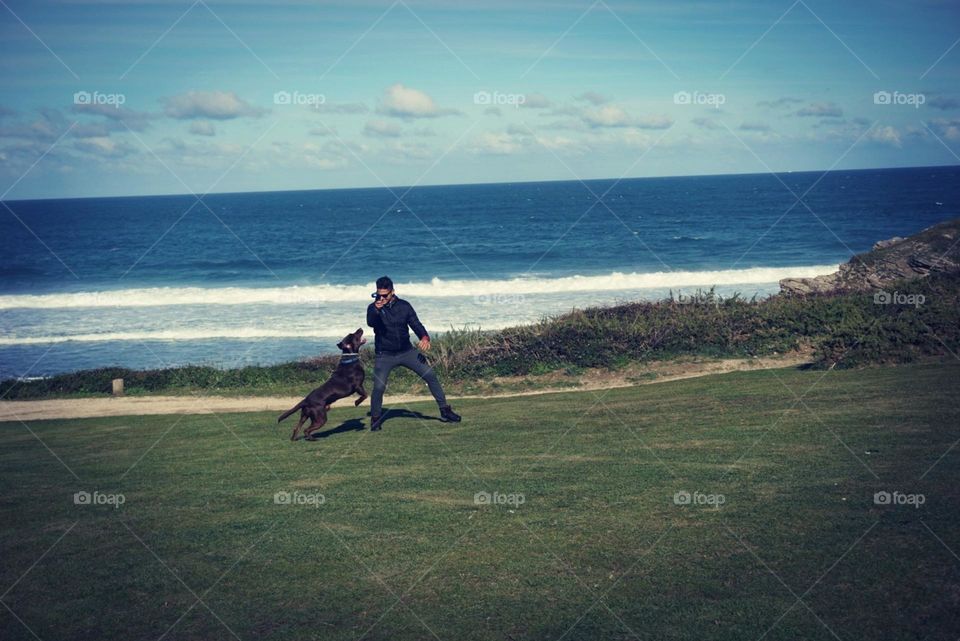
934 250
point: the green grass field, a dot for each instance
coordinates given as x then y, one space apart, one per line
591 543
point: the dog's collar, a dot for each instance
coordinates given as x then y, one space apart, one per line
356 359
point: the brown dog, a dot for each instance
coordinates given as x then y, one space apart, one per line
346 379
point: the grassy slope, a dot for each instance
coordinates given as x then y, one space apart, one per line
598 472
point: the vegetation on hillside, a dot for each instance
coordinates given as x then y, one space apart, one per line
920 319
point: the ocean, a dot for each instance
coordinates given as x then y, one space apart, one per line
260 278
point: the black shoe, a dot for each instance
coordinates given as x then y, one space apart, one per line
447 415
376 422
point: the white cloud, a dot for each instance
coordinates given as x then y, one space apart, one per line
199 152
821 110
653 122
944 103
340 146
381 129
705 123
786 101
886 135
135 120
560 143
607 117
405 151
613 116
498 144
105 147
535 101
340 108
567 110
405 102
326 164
48 127
634 138
202 128
572 125
216 105
593 98
946 128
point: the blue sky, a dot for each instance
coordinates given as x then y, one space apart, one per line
127 98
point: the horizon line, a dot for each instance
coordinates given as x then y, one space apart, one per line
468 184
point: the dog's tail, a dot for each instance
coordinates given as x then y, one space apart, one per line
290 411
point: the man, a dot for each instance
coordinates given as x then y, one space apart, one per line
389 316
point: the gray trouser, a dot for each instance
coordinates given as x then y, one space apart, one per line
408 359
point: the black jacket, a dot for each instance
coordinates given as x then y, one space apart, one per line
390 324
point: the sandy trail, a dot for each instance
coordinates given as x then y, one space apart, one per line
144 405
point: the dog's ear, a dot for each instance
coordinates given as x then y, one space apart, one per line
340 345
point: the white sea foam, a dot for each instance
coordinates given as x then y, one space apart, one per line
436 287
169 335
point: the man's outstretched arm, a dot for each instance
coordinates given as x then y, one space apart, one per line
418 329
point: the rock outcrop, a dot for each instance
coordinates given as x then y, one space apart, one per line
935 249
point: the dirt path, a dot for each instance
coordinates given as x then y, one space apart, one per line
143 405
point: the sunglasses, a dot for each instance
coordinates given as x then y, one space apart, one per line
376 295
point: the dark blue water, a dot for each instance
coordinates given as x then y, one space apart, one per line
154 281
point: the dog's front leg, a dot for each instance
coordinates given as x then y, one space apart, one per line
303 419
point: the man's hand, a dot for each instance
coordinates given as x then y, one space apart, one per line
424 344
